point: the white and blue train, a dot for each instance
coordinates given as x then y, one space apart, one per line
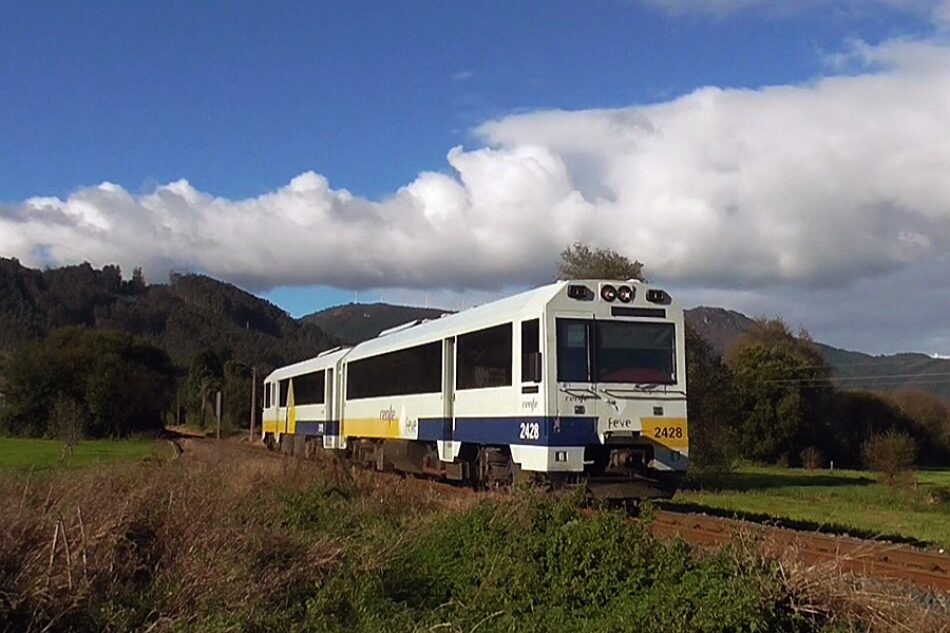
576 381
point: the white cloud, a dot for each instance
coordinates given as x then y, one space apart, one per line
814 186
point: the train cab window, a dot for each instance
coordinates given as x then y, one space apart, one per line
573 350
531 351
282 388
310 388
267 395
484 358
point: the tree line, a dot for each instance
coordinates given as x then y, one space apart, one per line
771 399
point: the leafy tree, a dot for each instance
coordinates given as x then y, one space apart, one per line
778 381
929 417
205 379
711 406
579 261
121 384
237 394
891 454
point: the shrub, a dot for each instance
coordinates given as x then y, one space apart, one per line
812 458
67 423
890 454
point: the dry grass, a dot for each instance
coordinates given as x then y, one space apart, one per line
860 605
198 533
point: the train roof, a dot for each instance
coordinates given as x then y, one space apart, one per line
523 305
324 360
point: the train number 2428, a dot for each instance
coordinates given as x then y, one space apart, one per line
530 431
668 432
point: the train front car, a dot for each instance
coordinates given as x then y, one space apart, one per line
615 392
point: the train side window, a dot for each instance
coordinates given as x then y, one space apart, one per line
310 388
484 358
282 385
531 351
267 395
414 370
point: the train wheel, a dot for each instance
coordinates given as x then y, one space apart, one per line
494 467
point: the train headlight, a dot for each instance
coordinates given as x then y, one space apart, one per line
608 293
580 292
625 294
656 295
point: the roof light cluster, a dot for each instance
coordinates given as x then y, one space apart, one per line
610 293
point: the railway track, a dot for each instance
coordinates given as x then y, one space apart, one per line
870 559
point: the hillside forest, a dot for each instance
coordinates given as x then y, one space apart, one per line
85 352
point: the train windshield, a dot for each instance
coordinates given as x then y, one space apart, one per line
616 351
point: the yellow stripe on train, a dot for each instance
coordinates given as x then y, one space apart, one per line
371 427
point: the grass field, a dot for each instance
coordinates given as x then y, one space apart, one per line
838 500
36 454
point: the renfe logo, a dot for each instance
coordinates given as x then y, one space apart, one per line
388 414
530 405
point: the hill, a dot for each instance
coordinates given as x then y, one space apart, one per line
189 314
852 369
357 322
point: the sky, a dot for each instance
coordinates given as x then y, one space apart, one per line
774 157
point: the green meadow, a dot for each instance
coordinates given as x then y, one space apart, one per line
42 454
839 500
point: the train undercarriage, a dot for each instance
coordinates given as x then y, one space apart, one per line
612 472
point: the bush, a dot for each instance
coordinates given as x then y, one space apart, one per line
890 454
812 458
67 423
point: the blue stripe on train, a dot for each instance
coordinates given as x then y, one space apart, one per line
538 431
331 427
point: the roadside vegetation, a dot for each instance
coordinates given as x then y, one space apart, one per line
257 543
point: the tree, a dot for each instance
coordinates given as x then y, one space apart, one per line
778 381
67 423
891 455
579 261
205 379
237 394
711 406
929 417
122 384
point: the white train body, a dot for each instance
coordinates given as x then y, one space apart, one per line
569 379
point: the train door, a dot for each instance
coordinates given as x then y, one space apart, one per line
448 382
328 399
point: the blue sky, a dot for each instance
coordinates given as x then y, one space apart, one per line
238 99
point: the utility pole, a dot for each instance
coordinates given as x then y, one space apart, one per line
217 411
253 402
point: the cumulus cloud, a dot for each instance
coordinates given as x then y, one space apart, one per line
814 185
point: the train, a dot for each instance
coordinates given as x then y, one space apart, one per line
579 382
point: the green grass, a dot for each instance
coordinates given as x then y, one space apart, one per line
840 500
38 454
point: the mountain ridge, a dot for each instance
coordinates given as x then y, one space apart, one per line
187 315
